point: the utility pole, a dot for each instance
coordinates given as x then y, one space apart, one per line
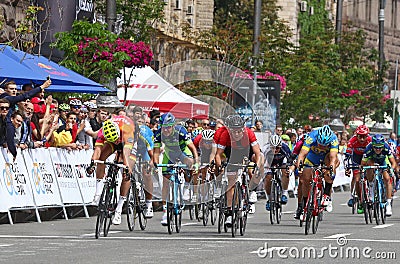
339 15
381 19
256 50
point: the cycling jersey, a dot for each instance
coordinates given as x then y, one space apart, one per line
217 135
280 158
356 149
145 142
316 153
241 148
203 148
381 158
127 131
299 144
176 145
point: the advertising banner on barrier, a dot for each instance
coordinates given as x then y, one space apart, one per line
80 160
16 189
43 177
66 177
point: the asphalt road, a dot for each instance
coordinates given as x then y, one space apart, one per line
341 237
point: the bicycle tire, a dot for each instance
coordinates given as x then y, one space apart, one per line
170 210
142 217
382 206
110 201
365 204
131 208
278 204
318 218
235 209
246 208
272 203
101 213
204 206
212 204
221 214
178 209
309 209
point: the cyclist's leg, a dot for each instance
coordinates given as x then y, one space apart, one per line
229 195
106 150
327 200
267 187
285 186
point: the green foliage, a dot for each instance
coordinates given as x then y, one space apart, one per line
139 17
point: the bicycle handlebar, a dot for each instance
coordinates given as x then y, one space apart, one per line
122 166
183 166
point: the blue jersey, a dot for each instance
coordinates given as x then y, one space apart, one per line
370 154
279 157
317 153
145 142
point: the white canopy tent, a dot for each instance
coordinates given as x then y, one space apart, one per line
149 90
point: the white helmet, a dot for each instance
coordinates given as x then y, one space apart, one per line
207 134
275 140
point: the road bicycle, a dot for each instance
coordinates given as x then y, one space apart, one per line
174 199
314 210
108 199
135 202
221 202
379 195
275 213
365 200
240 200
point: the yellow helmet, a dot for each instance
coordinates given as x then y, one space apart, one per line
111 131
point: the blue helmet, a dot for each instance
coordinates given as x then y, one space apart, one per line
325 135
167 119
378 140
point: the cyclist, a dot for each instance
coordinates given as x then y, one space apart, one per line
281 156
240 142
117 134
178 146
354 153
378 152
320 146
203 143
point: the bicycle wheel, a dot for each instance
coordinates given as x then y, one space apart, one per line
178 209
221 215
235 209
110 205
309 209
131 207
212 204
101 212
377 204
278 204
382 204
246 208
272 203
170 209
204 206
364 198
318 218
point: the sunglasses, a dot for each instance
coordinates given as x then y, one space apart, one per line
76 106
378 147
362 136
206 124
167 127
4 107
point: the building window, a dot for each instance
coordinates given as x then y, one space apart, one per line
355 8
394 14
177 4
368 11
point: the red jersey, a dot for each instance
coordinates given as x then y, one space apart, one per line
356 147
248 139
218 133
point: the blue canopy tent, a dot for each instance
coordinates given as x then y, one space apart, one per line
24 68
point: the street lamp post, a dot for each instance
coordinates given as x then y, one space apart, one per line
381 19
256 50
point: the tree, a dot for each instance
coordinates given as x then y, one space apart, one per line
98 54
138 16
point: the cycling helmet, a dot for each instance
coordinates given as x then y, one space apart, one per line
213 124
378 140
90 105
167 119
189 122
111 131
64 107
362 130
234 121
275 141
207 134
75 102
325 135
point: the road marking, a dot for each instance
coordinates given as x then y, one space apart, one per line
6 245
288 212
110 232
382 226
188 224
212 239
344 204
338 235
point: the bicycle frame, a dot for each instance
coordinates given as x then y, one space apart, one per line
275 194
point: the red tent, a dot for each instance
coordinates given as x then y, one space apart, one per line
149 90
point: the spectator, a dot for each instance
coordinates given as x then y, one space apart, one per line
63 109
393 139
155 114
279 130
12 135
258 126
75 105
93 125
27 87
154 124
26 140
4 107
82 137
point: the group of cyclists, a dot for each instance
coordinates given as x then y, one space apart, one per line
210 149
